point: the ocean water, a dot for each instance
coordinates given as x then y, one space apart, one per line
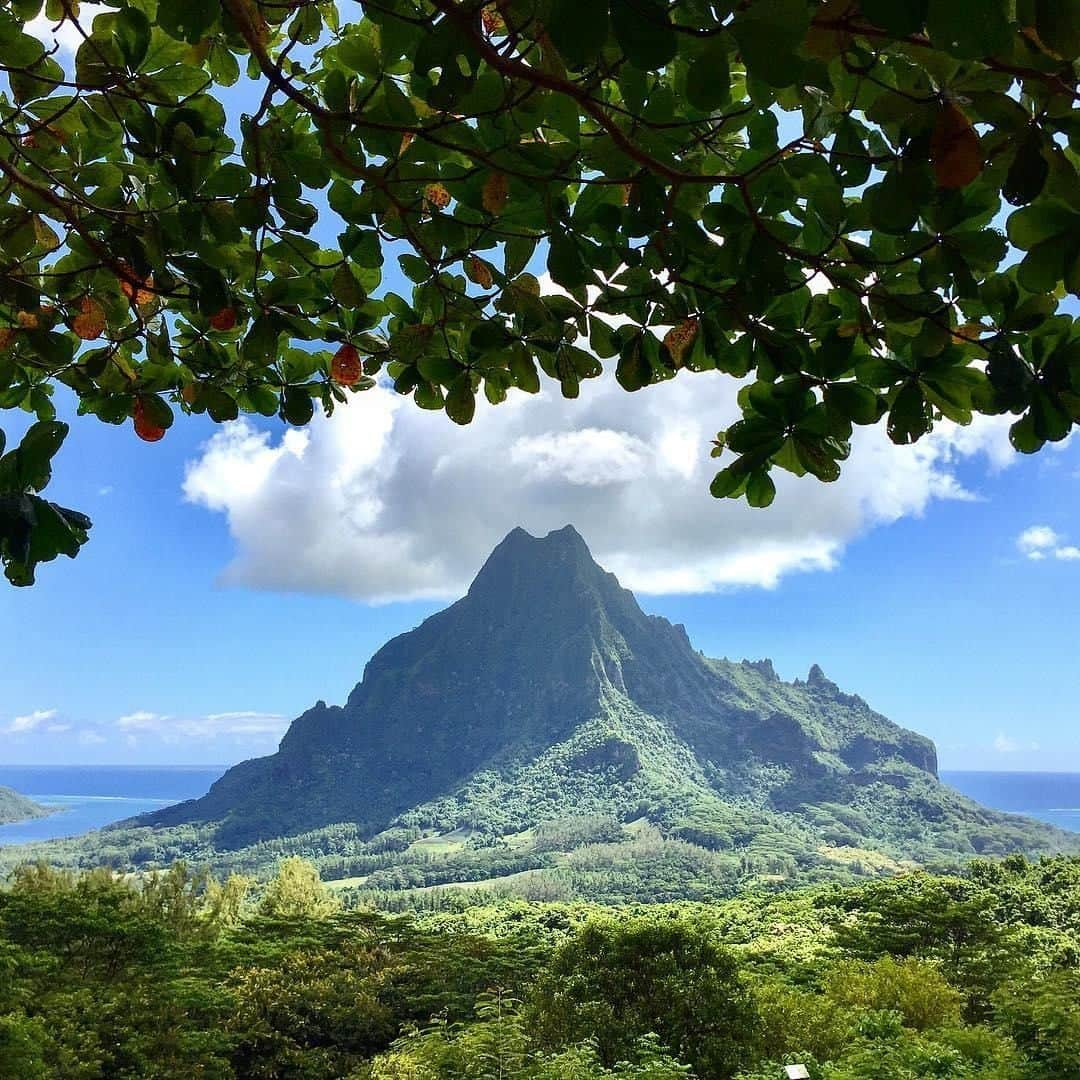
89 796
1049 796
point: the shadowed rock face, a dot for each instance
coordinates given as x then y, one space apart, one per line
544 644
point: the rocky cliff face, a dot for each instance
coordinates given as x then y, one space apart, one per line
545 649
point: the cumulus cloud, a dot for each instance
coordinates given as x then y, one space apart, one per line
30 722
384 501
239 725
1039 542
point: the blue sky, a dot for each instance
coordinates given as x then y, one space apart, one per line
234 577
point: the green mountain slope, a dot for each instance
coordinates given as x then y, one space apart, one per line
15 807
545 732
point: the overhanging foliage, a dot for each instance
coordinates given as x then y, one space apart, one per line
863 210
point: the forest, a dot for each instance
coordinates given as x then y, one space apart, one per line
175 974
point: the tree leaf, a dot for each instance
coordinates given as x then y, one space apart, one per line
899 17
1057 23
708 80
968 29
579 29
461 401
768 32
644 32
955 151
1028 172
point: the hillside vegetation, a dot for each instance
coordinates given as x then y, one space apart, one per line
15 807
173 975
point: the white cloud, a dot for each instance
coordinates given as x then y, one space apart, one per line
1036 538
384 501
89 737
29 722
1006 744
64 35
1039 542
240 725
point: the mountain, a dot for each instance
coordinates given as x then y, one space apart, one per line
15 807
544 730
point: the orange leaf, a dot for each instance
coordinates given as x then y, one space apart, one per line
90 322
28 320
145 428
496 192
135 289
494 23
679 338
955 152
7 336
479 273
224 320
345 367
436 195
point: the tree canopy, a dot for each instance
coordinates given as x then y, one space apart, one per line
860 210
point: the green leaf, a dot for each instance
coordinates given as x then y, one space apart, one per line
728 483
859 404
439 368
768 32
633 371
969 29
1028 172
1057 23
565 264
188 20
899 17
133 35
760 489
359 52
461 401
346 289
523 369
708 81
297 407
519 250
579 29
39 446
21 51
644 32
909 418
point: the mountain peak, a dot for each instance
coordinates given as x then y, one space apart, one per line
548 663
517 542
527 564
